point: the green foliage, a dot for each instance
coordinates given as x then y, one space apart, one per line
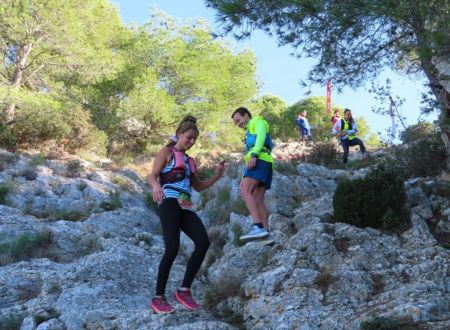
379 34
422 130
380 323
223 196
286 167
4 191
25 245
167 70
145 237
228 285
324 153
424 157
378 284
272 109
89 244
341 244
113 203
151 204
29 173
37 160
374 201
52 52
324 279
264 258
57 214
46 315
12 320
123 183
7 138
236 229
373 140
238 206
73 168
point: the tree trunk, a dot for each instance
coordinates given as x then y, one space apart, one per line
20 63
438 76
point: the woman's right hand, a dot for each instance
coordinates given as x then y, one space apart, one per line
158 194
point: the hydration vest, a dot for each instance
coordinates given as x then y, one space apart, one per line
178 172
345 126
250 140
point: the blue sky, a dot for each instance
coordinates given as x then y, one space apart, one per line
279 72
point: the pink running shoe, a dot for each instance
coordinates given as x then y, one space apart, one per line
185 298
161 306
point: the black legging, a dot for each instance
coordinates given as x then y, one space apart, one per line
173 218
346 144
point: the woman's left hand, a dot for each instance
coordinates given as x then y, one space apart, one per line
221 169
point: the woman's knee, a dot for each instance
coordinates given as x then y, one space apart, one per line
171 251
203 244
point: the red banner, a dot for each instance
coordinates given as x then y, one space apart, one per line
329 96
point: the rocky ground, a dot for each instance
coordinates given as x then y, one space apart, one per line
80 246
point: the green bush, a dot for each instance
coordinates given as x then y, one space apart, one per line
417 132
237 232
113 203
324 279
324 153
7 138
374 201
151 204
424 157
57 214
37 160
215 300
4 191
12 320
25 245
223 196
286 167
380 323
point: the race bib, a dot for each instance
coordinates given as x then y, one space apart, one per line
185 202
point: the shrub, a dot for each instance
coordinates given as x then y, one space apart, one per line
324 279
37 160
6 158
29 174
380 323
56 214
215 300
151 204
342 244
145 237
11 321
378 284
25 245
238 206
324 153
7 138
374 201
73 168
113 203
88 245
286 167
237 232
424 157
124 184
417 132
46 315
4 191
223 196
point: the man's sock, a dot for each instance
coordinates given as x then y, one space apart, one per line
259 225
